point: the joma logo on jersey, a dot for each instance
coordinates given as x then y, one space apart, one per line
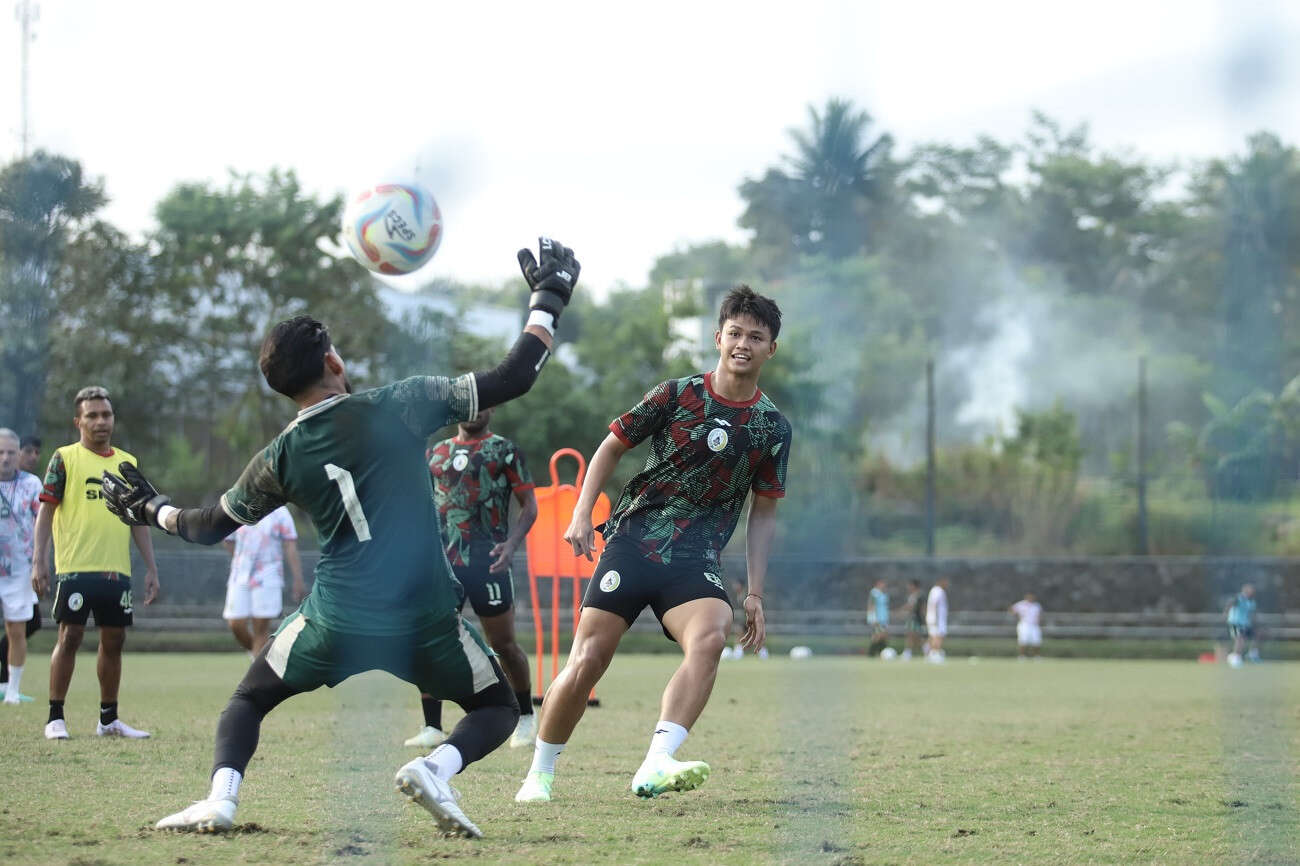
94 492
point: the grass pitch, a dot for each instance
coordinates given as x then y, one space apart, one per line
827 760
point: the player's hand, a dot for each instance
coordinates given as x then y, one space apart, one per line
151 586
131 497
581 535
552 279
501 555
40 581
755 624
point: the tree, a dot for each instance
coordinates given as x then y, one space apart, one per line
832 193
43 200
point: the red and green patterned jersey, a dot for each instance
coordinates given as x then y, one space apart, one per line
355 464
706 454
473 481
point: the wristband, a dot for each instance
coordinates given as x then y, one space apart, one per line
163 512
542 319
754 595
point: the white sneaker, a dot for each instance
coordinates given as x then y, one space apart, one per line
428 738
205 816
660 773
525 732
119 728
56 730
417 781
536 787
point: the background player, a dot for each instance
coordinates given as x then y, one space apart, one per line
255 589
914 619
19 503
92 559
29 456
384 597
474 475
714 437
1029 631
878 618
936 619
1241 624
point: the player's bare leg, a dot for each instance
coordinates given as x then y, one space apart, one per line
500 633
701 627
62 663
243 633
261 633
594 644
109 667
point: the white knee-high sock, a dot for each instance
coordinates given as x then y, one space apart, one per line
15 680
446 761
544 755
668 737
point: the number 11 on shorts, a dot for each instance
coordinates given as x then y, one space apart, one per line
348 490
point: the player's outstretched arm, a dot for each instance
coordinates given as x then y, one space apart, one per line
759 530
136 502
551 281
581 534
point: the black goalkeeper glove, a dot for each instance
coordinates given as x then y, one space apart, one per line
131 497
551 280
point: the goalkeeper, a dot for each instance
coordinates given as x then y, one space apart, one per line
384 596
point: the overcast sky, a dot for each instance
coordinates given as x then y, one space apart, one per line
624 133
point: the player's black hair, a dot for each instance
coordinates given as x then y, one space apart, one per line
744 301
90 392
293 355
30 441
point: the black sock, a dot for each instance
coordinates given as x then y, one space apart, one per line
4 659
56 711
432 711
525 702
108 713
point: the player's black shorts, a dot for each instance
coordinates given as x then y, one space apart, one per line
1245 632
488 594
105 593
625 583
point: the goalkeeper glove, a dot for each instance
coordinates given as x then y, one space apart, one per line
132 498
552 280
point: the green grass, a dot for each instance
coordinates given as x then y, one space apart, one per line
830 760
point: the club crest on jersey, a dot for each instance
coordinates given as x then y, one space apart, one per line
717 439
610 581
460 461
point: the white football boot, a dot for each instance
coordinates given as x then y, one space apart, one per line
417 781
205 816
428 738
119 728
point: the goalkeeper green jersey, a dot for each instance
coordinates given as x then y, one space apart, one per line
355 464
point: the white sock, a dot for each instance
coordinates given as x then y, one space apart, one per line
446 761
225 784
544 755
15 680
668 737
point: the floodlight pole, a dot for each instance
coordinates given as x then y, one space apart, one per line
1143 540
27 14
930 467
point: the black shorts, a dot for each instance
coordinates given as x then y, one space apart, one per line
1245 632
487 593
625 583
105 593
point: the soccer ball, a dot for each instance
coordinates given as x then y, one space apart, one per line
1234 660
392 228
888 654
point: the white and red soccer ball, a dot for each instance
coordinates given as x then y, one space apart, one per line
392 228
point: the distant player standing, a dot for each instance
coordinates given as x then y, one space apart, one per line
878 618
1029 630
914 619
19 503
92 560
384 597
1241 622
936 619
714 439
29 456
255 588
475 474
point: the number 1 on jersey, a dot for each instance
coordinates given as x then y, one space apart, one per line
348 490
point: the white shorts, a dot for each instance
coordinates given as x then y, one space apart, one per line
17 598
258 602
1028 634
936 629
